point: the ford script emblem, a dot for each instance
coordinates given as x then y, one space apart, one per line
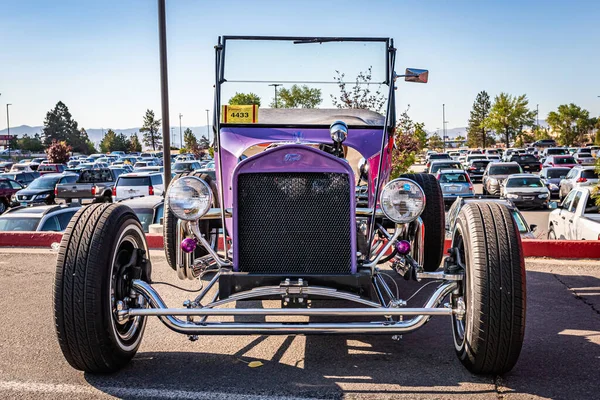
292 157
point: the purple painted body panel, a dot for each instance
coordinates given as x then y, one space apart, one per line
294 158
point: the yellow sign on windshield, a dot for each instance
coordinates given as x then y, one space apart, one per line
246 114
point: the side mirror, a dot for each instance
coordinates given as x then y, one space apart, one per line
553 205
533 227
416 75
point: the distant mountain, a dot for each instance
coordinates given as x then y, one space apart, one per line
96 134
452 133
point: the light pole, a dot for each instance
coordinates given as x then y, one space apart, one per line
171 139
207 127
444 127
275 86
180 134
164 91
8 128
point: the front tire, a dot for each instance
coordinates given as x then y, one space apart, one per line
489 337
433 219
93 273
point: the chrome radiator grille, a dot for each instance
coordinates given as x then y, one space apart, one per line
294 223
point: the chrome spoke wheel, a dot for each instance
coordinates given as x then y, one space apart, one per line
459 299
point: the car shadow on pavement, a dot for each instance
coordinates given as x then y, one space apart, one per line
560 358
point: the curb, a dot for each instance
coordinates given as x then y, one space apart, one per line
588 249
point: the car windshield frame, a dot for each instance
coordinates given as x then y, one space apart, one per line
36 182
505 170
568 160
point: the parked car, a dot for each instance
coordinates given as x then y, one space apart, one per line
476 168
578 177
6 166
526 191
560 161
506 156
473 157
525 230
41 190
51 169
577 218
494 158
437 165
527 162
554 151
544 143
297 237
73 163
594 150
138 184
21 168
149 209
188 166
8 188
552 176
24 178
584 156
495 174
454 183
39 218
93 184
491 152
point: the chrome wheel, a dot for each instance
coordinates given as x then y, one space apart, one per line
459 299
126 332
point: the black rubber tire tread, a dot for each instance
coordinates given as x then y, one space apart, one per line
495 319
434 219
170 222
81 288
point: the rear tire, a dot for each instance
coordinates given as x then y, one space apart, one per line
208 229
488 339
433 219
91 276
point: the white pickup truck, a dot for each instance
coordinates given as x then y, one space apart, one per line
577 218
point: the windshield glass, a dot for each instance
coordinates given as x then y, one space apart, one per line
146 216
557 173
306 74
532 182
504 169
134 181
183 166
43 183
564 160
95 176
556 151
19 224
438 166
521 224
590 174
527 158
451 178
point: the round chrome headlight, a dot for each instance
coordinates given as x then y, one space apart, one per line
402 200
189 198
338 131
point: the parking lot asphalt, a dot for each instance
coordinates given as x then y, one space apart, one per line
560 357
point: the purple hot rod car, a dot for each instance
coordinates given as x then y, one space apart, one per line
296 228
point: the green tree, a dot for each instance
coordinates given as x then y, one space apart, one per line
32 144
478 134
204 143
597 139
407 142
150 128
435 142
571 123
508 115
59 125
240 99
189 139
298 97
361 94
134 143
108 141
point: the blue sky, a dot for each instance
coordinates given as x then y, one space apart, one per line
101 57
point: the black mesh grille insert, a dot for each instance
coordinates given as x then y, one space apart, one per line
294 223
